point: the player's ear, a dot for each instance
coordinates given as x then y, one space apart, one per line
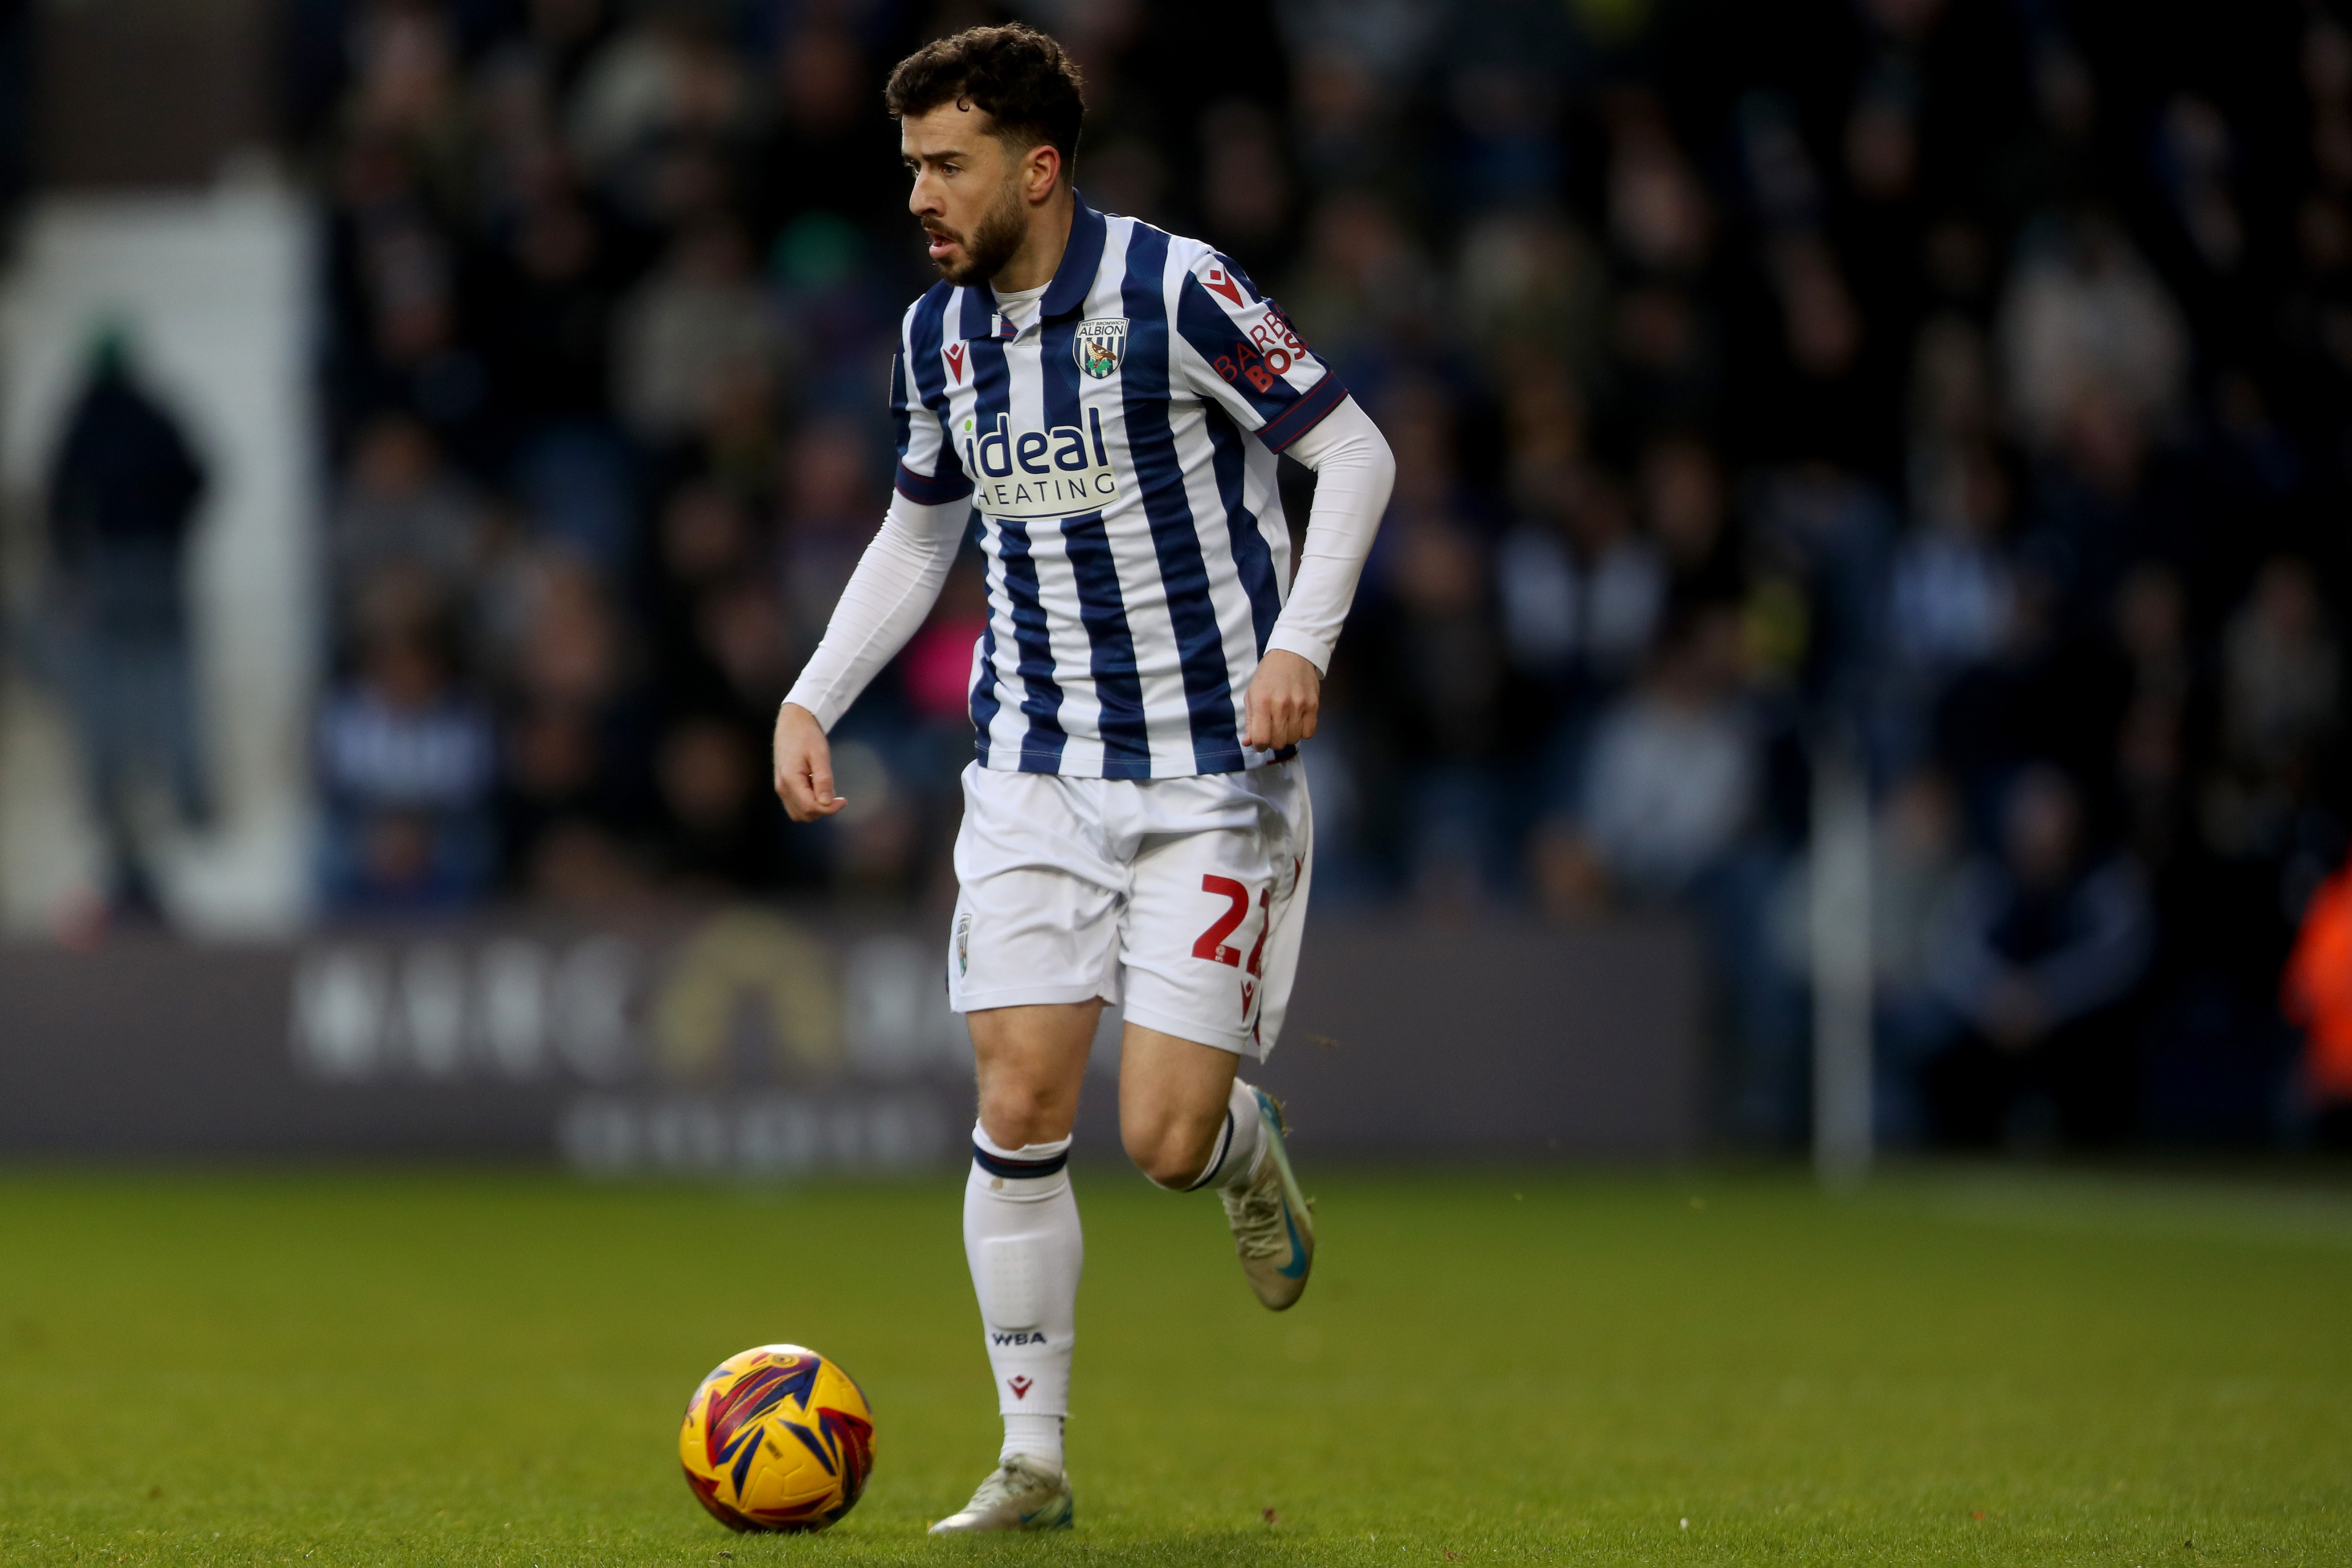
1043 171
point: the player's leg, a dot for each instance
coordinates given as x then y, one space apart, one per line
1175 1114
1021 1239
1034 955
1190 1122
1208 949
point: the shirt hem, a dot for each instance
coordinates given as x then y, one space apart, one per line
1215 765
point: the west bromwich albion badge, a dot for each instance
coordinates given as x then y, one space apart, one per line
1099 344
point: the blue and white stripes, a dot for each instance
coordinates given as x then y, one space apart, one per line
1119 447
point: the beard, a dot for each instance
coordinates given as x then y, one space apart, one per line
990 245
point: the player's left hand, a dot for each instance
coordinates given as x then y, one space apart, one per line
1285 696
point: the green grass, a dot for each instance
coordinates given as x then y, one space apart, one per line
488 1368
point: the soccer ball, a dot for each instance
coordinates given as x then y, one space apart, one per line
777 1439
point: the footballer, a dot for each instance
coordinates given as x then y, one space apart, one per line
1109 399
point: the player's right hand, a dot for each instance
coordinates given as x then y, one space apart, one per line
804 765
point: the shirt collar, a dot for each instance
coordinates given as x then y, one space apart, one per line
1072 280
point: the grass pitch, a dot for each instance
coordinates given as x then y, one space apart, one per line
488 1369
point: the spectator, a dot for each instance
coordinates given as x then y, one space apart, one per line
2085 318
2280 682
1672 815
1675 774
403 509
2041 951
696 320
123 490
406 762
1581 591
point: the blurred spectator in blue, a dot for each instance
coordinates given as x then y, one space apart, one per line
2043 952
1673 778
406 768
123 490
1951 593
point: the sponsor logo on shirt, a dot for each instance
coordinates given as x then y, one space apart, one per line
1030 474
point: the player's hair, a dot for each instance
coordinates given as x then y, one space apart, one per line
1018 76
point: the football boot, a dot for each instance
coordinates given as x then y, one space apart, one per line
1019 1494
1273 1221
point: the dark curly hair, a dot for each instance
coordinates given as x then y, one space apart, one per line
1018 76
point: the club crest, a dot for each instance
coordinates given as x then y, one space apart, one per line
1100 343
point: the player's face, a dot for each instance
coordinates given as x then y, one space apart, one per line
967 192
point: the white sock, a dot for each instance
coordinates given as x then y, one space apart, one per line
1240 1145
1020 1236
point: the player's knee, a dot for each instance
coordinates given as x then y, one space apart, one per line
1015 1114
1166 1152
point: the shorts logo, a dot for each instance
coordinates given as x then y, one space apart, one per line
1099 344
963 945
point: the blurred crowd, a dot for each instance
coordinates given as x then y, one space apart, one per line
1960 389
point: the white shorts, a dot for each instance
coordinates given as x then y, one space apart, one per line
1180 899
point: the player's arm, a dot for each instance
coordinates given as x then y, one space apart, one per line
1354 472
1240 351
894 588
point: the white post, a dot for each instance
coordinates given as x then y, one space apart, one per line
1842 969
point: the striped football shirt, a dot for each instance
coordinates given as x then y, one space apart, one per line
1119 445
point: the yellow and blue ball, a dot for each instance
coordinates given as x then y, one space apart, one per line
777 1439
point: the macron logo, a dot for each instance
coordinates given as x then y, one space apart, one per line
1223 282
1019 1387
955 362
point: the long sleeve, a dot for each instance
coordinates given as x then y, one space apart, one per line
892 590
1353 474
